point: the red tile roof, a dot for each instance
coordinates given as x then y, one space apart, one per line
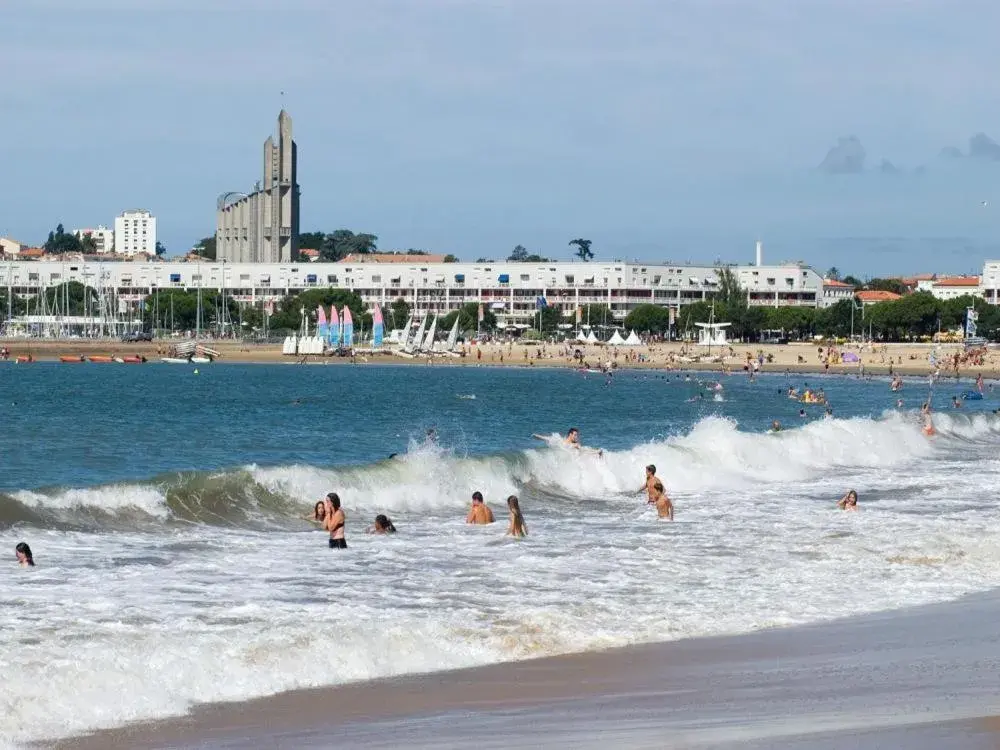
834 282
958 281
876 296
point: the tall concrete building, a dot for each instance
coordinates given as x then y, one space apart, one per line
135 232
263 226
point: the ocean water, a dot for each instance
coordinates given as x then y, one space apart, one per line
164 511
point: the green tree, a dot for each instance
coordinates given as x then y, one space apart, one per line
161 249
518 255
594 314
311 240
696 312
833 273
88 244
18 304
550 317
75 294
796 322
399 311
177 309
583 251
913 315
468 317
205 247
60 242
836 319
853 281
648 318
887 285
449 258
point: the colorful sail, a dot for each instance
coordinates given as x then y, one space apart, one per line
348 328
322 328
334 334
378 326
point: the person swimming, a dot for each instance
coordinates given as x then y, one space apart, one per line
382 525
319 512
664 508
775 426
848 501
802 412
480 512
517 528
334 521
24 557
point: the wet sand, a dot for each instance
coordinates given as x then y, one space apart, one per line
905 359
921 678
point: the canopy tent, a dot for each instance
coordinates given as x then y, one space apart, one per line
633 340
592 338
616 339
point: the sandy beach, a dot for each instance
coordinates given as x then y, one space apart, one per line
918 678
905 359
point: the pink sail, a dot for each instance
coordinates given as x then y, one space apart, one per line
377 315
334 318
320 316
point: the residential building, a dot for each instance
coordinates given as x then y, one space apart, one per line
104 238
874 296
9 246
835 291
989 282
956 286
263 226
390 258
135 232
509 290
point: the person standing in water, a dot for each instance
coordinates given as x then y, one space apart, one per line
664 508
848 501
651 480
24 557
480 512
334 521
517 528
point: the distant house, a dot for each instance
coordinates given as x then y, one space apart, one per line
10 246
873 296
957 286
835 291
922 282
32 253
390 258
309 254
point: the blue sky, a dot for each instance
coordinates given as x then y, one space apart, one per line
660 130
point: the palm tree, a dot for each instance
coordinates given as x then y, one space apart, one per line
583 252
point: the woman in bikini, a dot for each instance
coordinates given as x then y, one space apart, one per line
334 521
517 528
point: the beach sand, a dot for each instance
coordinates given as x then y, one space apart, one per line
921 678
905 359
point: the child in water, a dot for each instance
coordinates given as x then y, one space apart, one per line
664 508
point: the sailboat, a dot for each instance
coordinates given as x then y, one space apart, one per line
409 349
406 333
428 345
449 347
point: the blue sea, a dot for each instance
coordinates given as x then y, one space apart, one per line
165 509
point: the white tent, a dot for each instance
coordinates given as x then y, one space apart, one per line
633 340
579 338
712 334
616 339
591 338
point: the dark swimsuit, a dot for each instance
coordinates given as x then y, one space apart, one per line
338 543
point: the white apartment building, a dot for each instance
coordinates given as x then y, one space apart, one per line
104 238
957 286
9 246
835 291
135 232
510 290
989 282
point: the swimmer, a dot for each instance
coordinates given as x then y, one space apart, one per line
24 557
335 521
899 403
382 525
664 508
319 512
775 426
651 480
955 403
480 512
829 413
572 438
517 528
848 501
802 413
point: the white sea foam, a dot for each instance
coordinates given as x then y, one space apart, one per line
124 626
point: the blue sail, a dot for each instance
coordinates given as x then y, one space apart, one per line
348 328
378 326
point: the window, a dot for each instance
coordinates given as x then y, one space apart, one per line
377 279
770 280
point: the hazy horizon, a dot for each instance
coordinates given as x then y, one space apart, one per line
659 130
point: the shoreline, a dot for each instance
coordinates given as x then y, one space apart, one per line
903 359
923 674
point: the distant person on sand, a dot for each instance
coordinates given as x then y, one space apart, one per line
480 512
664 508
517 528
319 512
382 525
335 521
24 557
848 501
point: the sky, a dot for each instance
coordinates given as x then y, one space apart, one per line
661 130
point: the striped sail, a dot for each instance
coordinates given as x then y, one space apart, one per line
378 326
334 335
322 328
348 328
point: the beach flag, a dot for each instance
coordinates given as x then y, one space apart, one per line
378 326
481 312
322 329
348 328
579 315
334 335
541 303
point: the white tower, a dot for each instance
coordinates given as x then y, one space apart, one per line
760 253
